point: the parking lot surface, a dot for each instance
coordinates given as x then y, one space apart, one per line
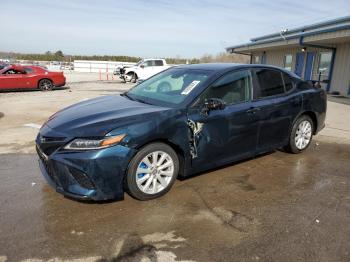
275 207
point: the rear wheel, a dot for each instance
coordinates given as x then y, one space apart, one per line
45 85
301 135
152 171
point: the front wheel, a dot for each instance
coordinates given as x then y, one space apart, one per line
301 135
134 78
152 171
45 85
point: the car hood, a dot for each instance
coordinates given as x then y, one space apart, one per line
97 117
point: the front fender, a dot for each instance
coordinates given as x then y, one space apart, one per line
169 126
131 70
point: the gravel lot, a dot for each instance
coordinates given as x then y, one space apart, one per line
277 207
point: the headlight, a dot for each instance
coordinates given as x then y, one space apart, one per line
88 144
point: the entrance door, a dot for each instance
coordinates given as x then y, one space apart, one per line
299 63
263 58
309 65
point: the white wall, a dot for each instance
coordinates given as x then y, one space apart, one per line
341 70
97 66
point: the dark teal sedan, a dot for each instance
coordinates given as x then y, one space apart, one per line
180 122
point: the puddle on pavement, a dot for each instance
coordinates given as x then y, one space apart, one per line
200 215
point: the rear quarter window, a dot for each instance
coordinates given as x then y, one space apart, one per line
28 70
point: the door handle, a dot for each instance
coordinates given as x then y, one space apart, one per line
253 110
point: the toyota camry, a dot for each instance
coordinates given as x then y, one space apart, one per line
180 122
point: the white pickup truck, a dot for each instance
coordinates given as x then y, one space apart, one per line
143 69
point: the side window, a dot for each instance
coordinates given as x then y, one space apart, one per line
288 82
28 70
148 63
12 72
232 88
270 82
158 62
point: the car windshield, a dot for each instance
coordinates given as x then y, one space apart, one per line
169 88
139 63
4 69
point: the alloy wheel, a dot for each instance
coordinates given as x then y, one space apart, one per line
154 172
45 84
303 135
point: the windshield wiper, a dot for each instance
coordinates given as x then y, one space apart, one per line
125 94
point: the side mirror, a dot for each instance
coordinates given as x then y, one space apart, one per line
213 104
142 66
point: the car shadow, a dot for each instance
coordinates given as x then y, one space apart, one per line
182 178
32 89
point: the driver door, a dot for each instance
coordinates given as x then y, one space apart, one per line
12 78
224 135
146 69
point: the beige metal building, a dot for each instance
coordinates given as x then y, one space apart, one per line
317 51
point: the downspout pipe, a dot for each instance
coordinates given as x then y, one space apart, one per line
333 49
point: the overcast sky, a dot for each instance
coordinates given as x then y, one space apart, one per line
158 28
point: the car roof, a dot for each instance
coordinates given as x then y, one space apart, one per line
223 67
22 67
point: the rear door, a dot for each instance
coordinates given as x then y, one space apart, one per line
277 105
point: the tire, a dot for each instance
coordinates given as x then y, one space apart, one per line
45 85
133 78
301 135
145 181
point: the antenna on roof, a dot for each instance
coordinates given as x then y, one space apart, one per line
282 33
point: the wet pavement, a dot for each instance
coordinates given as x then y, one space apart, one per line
276 207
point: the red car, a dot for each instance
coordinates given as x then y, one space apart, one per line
30 77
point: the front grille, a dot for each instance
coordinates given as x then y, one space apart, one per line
53 139
46 164
81 178
50 144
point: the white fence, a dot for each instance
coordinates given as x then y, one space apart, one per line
98 66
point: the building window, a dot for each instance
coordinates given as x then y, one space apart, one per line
288 62
324 64
256 59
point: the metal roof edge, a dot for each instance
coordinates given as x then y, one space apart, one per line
307 27
302 34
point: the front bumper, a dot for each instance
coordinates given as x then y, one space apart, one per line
87 175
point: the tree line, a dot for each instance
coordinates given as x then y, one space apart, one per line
60 56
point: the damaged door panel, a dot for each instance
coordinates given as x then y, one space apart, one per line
195 129
222 135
